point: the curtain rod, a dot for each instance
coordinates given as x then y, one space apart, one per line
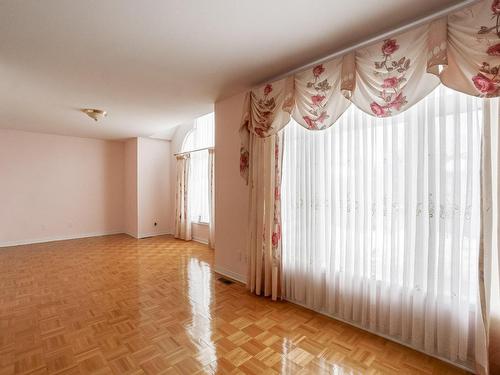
198 149
377 38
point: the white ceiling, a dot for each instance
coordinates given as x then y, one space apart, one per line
153 64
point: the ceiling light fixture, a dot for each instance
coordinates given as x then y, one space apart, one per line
96 114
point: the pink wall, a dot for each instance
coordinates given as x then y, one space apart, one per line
54 187
231 202
153 187
130 203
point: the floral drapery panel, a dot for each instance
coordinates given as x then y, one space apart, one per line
182 217
264 222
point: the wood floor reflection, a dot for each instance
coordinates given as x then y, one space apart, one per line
119 305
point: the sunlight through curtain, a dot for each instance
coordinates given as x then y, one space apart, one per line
211 198
202 136
381 221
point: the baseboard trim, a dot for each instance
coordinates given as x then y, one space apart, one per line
200 240
132 235
146 235
232 275
58 238
77 236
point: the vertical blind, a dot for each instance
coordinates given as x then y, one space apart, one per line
201 136
381 221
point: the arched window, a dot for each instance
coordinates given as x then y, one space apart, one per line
200 137
202 134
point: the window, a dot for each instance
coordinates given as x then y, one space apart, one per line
201 136
381 220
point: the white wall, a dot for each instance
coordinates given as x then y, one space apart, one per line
57 187
153 187
231 201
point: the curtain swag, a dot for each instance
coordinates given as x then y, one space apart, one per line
462 51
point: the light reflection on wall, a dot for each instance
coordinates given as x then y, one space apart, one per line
200 299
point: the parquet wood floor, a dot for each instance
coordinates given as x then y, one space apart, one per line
117 305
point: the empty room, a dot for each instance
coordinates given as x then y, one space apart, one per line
249 187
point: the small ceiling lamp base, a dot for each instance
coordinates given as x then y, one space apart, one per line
96 114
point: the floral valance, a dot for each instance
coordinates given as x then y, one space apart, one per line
462 51
391 76
319 101
474 50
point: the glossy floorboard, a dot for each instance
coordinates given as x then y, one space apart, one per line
153 306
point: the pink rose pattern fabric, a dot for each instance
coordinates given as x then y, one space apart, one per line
487 81
276 235
393 73
267 106
318 114
244 160
266 110
270 107
276 232
474 50
319 101
245 140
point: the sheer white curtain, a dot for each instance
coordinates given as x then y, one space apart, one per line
199 189
211 198
201 136
381 221
491 231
